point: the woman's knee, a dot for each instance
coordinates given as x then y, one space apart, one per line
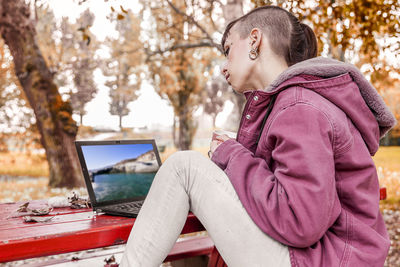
182 158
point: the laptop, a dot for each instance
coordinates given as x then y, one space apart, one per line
118 174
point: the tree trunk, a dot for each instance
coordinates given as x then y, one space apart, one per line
185 138
80 119
53 115
174 137
120 123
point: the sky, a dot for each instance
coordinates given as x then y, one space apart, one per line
99 156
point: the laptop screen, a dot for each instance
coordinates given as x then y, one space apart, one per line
119 171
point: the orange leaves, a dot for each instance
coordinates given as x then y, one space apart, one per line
119 16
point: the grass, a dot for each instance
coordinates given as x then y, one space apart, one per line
23 164
388 157
387 160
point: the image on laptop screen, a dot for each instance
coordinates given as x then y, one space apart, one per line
120 171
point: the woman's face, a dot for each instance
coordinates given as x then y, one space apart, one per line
238 67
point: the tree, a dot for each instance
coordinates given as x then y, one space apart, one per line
356 31
71 57
124 65
85 88
53 115
84 65
177 72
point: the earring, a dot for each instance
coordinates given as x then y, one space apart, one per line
253 54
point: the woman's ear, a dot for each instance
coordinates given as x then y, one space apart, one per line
255 38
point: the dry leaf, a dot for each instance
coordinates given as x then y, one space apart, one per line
110 260
23 207
23 210
123 10
86 38
120 17
41 212
78 203
37 219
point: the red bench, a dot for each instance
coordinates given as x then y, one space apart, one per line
73 230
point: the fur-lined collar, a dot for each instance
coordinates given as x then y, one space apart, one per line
327 68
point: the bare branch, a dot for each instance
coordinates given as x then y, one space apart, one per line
129 51
210 10
181 46
35 6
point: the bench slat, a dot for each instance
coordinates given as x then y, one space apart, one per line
191 247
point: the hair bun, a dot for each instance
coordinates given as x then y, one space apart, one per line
311 41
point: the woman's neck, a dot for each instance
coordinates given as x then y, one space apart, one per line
268 70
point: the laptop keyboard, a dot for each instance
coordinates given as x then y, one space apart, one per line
131 207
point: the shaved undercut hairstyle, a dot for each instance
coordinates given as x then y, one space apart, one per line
288 37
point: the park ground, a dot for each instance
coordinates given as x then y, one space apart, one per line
24 177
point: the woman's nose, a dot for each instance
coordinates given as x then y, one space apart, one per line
224 69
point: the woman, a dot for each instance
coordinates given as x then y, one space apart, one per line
298 186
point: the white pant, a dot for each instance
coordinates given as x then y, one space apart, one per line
189 181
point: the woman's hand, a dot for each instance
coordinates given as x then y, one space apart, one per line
216 142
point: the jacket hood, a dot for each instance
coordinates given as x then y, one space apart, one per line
325 68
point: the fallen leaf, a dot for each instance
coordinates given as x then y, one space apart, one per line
110 260
37 219
23 207
78 203
23 210
41 212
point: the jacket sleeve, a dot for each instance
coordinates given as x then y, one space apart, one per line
295 203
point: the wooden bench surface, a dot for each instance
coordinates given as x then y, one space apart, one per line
70 230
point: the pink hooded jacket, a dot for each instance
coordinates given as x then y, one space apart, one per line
310 181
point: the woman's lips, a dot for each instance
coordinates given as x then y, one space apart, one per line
227 77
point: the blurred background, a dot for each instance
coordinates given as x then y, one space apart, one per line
114 69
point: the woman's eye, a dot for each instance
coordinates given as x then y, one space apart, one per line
227 52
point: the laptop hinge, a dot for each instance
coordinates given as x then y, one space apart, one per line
98 212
